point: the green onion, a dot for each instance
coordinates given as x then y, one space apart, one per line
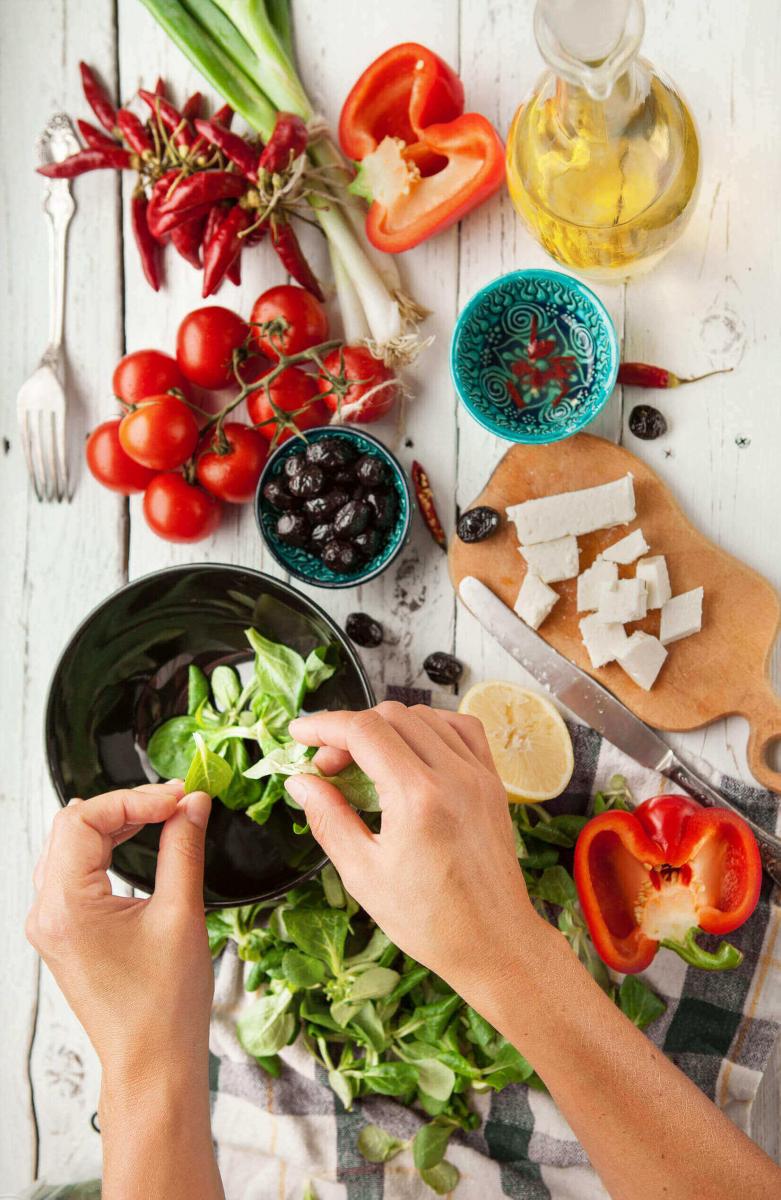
280 81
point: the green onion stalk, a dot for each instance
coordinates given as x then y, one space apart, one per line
244 49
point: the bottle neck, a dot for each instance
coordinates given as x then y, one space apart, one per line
580 113
591 44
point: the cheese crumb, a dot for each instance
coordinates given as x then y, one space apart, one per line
642 658
535 600
590 582
553 561
657 580
681 616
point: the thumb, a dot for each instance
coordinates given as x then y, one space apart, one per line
179 876
334 824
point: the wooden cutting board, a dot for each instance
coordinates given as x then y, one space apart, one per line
718 672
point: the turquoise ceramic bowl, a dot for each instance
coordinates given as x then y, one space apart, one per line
534 356
308 567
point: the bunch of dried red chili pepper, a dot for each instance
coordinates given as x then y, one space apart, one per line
201 186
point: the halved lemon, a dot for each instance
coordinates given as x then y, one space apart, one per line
530 744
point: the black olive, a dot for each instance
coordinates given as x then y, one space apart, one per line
477 523
352 518
293 528
321 534
327 504
344 476
369 542
370 470
647 422
309 481
442 668
340 556
358 491
330 453
363 629
294 465
384 505
279 496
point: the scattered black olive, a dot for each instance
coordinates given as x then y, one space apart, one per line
279 496
369 469
363 629
443 668
345 475
352 518
368 542
647 422
321 534
357 491
477 523
384 505
293 528
340 556
293 465
330 453
309 481
327 504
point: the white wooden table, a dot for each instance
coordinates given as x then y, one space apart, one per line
712 303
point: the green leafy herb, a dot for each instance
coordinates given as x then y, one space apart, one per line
442 1178
226 687
170 748
377 1146
639 1003
615 795
207 772
197 689
265 1027
430 1143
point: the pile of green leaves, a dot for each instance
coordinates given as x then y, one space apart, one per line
233 741
380 1023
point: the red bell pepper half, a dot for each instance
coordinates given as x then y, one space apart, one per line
657 875
424 163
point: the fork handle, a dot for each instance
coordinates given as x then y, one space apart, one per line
59 207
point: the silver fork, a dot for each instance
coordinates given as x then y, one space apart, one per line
41 404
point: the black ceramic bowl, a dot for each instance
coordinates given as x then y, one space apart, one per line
125 671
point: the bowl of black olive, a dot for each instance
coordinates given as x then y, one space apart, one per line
334 509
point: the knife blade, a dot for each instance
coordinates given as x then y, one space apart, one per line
600 709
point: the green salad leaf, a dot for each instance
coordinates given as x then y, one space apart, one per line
208 772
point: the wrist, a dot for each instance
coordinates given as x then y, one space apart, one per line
511 959
160 1089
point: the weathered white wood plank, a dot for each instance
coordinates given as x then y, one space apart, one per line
60 560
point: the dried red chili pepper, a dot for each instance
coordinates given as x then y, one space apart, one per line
186 240
233 273
95 138
172 119
428 509
224 246
234 147
148 248
205 187
97 98
285 242
114 157
223 116
192 106
288 140
160 86
133 131
645 375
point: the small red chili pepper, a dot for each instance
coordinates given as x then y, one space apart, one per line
95 138
256 233
133 131
205 187
171 118
285 242
213 219
148 248
428 509
224 116
186 239
644 375
160 86
97 98
114 157
192 106
233 273
288 140
223 247
234 147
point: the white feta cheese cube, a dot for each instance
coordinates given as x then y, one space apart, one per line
624 600
582 511
657 580
553 561
681 616
590 582
642 658
535 600
604 641
627 549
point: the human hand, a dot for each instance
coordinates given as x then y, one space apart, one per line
137 973
441 878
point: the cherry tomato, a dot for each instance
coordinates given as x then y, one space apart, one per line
179 511
161 433
205 344
146 373
292 389
110 465
234 473
301 320
356 404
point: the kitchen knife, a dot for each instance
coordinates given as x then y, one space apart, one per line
600 709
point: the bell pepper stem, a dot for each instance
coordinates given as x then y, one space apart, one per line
726 958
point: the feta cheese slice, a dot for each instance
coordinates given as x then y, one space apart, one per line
681 616
604 641
624 600
590 582
535 600
582 511
627 549
657 580
553 561
642 658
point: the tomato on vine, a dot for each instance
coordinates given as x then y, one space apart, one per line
357 385
229 467
109 463
180 511
287 320
146 373
293 392
206 342
160 433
